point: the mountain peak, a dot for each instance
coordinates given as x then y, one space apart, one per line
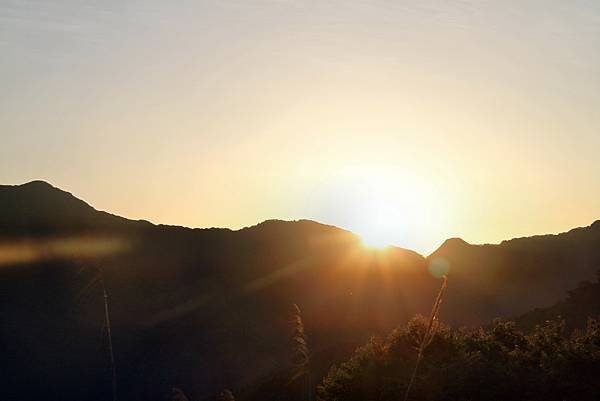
37 184
455 242
37 207
38 188
451 245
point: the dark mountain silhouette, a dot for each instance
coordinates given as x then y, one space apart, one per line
202 309
517 275
206 309
581 304
37 208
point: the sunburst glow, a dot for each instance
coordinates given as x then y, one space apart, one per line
378 228
381 204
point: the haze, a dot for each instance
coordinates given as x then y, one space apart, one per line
405 122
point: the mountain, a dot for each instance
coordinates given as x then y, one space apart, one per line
208 309
201 309
581 304
517 275
37 208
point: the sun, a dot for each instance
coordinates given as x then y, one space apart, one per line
375 241
378 226
383 205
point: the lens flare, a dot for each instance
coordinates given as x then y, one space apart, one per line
439 267
39 250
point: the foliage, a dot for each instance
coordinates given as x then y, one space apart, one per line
495 363
178 395
427 337
581 303
226 395
300 357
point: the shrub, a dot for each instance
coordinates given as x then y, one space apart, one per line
494 363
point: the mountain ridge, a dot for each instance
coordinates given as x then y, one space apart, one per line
224 295
37 186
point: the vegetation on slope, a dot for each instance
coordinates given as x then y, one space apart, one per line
580 304
496 363
204 309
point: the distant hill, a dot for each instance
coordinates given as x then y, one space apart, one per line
202 309
575 310
517 275
37 208
207 309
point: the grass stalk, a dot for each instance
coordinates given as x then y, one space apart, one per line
428 335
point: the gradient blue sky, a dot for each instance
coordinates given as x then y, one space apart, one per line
407 122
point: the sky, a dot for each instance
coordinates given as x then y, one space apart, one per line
406 122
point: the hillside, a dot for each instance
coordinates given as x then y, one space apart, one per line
206 309
581 304
515 276
200 308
